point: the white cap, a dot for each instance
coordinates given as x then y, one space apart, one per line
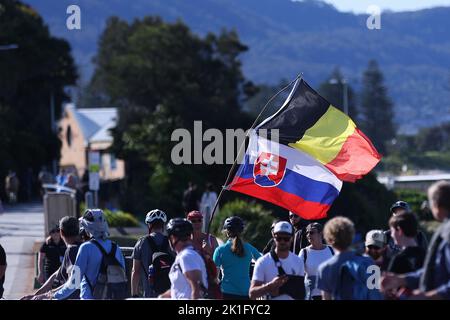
375 238
284 227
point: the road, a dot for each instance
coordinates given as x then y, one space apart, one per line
20 227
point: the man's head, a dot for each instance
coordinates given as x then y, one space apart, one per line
339 233
69 228
196 218
179 231
282 235
155 220
375 243
294 219
403 225
439 200
314 233
399 207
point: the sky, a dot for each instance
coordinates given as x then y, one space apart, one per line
360 6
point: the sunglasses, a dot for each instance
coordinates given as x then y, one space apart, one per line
374 248
196 220
312 232
285 239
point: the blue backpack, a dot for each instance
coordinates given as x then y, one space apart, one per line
352 282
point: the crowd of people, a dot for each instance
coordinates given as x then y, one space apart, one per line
303 261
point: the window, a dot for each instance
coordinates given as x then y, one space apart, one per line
69 136
112 161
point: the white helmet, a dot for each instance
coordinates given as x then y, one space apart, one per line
155 214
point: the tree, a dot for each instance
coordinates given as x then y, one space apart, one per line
376 108
332 89
163 77
40 67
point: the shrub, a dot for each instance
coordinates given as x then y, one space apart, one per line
115 218
257 221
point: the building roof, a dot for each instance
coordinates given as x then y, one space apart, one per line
95 122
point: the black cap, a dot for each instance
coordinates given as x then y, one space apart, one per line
234 224
179 227
401 204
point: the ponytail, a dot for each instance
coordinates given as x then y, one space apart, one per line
237 247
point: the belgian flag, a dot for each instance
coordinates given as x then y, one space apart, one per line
309 123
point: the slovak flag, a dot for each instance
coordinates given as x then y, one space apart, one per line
286 177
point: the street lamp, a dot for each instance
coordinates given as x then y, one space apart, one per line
345 91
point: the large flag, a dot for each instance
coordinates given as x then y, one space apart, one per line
309 123
286 177
303 166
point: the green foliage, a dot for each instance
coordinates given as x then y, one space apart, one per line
257 221
120 219
376 108
163 77
415 199
40 67
115 218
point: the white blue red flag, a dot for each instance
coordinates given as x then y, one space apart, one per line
286 177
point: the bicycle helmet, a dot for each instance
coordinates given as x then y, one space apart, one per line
155 214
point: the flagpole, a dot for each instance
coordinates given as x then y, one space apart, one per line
227 181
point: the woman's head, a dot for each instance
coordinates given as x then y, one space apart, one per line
314 233
233 227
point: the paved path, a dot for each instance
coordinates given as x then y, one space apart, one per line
20 227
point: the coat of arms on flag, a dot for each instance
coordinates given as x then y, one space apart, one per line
269 169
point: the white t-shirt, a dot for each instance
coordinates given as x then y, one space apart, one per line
186 260
266 270
313 259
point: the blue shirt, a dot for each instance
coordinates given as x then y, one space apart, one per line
441 272
328 273
87 264
236 270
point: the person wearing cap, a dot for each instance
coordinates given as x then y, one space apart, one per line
392 249
432 281
234 258
267 279
202 242
332 281
69 229
375 246
50 255
187 275
89 257
142 252
312 256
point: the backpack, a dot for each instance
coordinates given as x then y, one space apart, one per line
352 281
161 262
112 279
305 254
